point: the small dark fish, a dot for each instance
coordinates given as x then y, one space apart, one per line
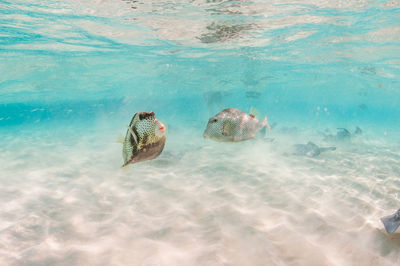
310 149
144 139
232 125
391 222
343 135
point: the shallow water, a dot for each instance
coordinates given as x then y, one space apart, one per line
73 74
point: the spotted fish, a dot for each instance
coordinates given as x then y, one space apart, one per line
232 125
144 139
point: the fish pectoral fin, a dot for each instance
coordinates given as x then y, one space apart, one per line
227 129
133 134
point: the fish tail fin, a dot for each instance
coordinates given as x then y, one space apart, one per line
265 127
266 124
256 114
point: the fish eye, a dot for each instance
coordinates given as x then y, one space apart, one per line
141 116
213 120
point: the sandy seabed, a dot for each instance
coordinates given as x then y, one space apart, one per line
65 201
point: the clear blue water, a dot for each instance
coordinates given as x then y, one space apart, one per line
73 73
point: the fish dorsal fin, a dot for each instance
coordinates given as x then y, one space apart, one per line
227 129
133 134
254 113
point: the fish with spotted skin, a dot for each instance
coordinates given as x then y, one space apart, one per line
144 139
233 125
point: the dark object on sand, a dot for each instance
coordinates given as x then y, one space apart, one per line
391 222
343 135
310 149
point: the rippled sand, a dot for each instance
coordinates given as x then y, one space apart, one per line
65 201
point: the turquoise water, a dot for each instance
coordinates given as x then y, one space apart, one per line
73 73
